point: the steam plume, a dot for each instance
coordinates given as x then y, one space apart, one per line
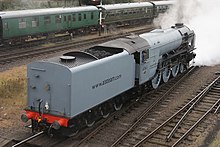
203 17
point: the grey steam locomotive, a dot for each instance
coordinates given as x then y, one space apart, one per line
70 92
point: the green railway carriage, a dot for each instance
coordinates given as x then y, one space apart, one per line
162 6
43 21
133 12
122 13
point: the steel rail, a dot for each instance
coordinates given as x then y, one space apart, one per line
28 139
143 114
216 110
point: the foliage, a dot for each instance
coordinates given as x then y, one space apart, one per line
116 1
13 84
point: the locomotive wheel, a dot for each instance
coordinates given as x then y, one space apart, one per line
156 80
182 68
166 74
175 70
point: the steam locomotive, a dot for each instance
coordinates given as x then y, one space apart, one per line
69 92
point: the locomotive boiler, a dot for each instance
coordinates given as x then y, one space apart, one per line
67 93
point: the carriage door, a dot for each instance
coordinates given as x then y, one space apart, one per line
1 30
69 22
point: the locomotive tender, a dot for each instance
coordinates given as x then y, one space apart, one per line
17 26
70 92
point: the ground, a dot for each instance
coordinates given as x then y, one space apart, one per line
13 101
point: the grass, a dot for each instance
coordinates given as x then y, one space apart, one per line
216 142
13 86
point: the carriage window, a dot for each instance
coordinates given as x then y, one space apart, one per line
69 18
74 17
64 18
80 17
5 26
84 16
92 15
58 18
34 22
46 19
22 23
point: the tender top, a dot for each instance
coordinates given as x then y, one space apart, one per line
79 58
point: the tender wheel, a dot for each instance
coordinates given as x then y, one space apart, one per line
156 80
90 119
118 104
182 68
70 132
166 74
89 123
117 107
175 70
104 111
74 133
104 114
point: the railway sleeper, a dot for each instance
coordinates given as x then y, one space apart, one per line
208 101
155 141
200 110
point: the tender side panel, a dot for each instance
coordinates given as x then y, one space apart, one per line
101 80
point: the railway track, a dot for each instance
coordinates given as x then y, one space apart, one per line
176 128
23 53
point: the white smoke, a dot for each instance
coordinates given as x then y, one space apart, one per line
202 16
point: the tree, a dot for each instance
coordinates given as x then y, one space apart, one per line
80 4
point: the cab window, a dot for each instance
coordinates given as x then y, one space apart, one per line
145 55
